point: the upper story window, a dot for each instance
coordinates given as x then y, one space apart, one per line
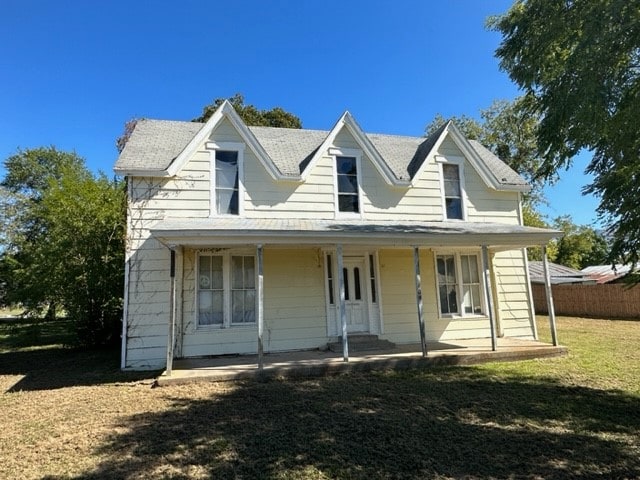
459 286
452 189
226 177
227 182
347 180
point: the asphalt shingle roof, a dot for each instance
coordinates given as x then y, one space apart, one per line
154 145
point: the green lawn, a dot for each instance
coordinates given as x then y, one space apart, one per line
71 414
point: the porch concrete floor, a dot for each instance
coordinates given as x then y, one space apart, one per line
316 363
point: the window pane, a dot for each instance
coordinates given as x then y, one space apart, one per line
452 299
466 275
451 173
451 269
346 283
204 270
236 272
249 272
346 165
444 303
476 300
249 306
330 279
347 184
373 279
237 306
356 283
441 270
467 300
226 172
227 202
473 268
454 208
348 203
331 300
216 272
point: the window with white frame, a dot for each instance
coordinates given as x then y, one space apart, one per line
347 184
452 191
459 284
226 293
227 182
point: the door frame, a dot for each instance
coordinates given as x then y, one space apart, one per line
373 309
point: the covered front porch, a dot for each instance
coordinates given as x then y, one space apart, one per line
331 236
319 363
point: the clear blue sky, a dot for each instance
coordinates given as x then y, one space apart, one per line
72 72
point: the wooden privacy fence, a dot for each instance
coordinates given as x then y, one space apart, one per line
606 300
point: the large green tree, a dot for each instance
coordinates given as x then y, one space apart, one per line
251 115
578 63
580 245
66 247
275 117
509 132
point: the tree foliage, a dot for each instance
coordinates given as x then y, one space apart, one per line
578 63
580 246
275 117
67 249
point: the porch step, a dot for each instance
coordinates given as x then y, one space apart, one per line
362 343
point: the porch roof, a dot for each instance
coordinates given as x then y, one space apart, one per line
243 231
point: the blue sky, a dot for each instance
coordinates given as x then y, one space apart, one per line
72 72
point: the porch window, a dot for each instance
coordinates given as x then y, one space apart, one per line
459 286
226 293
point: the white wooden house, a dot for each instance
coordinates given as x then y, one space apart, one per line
256 239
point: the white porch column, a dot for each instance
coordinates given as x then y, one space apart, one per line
416 265
172 312
549 292
260 306
489 296
341 304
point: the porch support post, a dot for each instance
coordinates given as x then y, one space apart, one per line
341 304
549 291
172 312
489 296
260 294
416 265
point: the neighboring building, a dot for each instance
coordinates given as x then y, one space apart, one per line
607 273
243 239
558 274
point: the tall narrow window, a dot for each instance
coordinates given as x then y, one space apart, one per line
226 182
347 176
210 290
452 191
372 278
243 289
470 284
330 279
459 286
345 274
447 284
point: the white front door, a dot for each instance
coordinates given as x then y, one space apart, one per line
355 294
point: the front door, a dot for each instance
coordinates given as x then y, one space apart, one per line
355 294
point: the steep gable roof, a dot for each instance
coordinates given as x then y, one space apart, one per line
161 148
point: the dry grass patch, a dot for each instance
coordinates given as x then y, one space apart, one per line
559 418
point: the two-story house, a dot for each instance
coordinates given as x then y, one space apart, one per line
258 239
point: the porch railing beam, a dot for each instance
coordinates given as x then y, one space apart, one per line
341 304
489 296
416 266
549 292
260 295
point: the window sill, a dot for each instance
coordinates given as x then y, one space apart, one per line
233 326
480 316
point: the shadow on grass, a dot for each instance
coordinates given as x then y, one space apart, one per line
39 352
454 422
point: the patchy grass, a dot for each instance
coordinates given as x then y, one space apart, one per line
73 415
